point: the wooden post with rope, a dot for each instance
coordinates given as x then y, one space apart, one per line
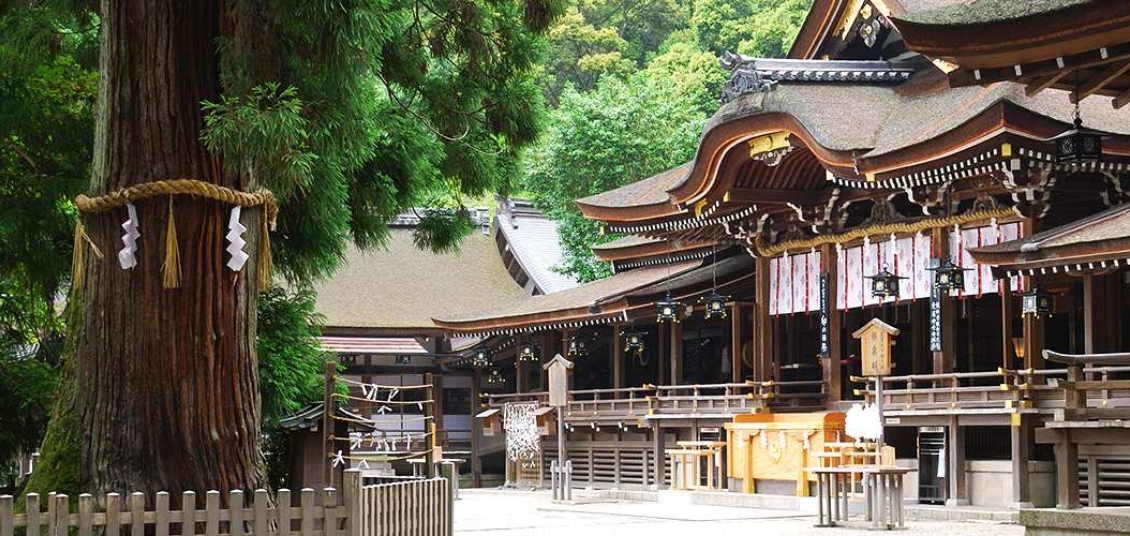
328 411
430 426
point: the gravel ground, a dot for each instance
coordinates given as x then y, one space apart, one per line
535 515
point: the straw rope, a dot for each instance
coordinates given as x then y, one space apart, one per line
883 230
170 187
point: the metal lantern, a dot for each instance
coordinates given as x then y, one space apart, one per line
949 276
633 341
668 309
715 306
884 284
495 378
1036 302
528 351
481 359
578 348
1079 145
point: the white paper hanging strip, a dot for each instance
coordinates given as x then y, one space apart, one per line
127 256
235 241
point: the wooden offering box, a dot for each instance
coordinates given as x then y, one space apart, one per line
779 446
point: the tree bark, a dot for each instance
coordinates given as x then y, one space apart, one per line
165 383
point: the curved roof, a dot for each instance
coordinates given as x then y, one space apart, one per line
635 246
534 242
644 196
404 287
1098 238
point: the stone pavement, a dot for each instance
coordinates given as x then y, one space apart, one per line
515 513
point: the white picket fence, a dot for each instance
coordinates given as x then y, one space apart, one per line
409 508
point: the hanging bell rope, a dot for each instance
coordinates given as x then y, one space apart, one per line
197 188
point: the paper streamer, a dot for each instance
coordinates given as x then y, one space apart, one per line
127 256
235 241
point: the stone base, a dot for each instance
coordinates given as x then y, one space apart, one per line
957 502
1108 521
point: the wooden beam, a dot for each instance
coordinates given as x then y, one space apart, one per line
763 351
1067 470
1021 432
832 364
1100 80
677 353
1122 99
617 357
735 343
1006 325
776 196
1044 82
476 430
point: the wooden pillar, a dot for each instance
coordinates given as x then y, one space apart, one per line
521 376
476 430
546 355
735 343
955 474
658 454
763 349
1090 314
567 334
1006 326
945 359
676 353
617 356
832 367
1033 326
661 355
437 409
1066 470
1021 431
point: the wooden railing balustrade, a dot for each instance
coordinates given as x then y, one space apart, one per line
999 390
716 399
1079 382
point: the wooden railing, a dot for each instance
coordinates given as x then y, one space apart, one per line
356 510
717 399
1079 384
1000 390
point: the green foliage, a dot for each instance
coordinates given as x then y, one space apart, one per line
290 367
760 28
290 359
362 110
621 132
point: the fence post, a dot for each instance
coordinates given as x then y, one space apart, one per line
351 487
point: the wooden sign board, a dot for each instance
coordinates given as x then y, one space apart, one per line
876 338
558 368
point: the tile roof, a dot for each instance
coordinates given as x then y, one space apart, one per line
535 243
404 287
649 191
579 298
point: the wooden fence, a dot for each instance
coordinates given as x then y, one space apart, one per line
410 508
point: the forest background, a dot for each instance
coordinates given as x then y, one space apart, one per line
627 86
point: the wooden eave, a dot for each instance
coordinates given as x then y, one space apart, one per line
560 316
1006 43
820 22
648 249
728 136
631 213
1069 255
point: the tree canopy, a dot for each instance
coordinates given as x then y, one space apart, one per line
631 84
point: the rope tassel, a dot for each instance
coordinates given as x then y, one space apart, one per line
170 270
78 273
264 254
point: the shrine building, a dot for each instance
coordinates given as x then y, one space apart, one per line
957 172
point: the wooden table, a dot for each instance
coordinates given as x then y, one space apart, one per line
882 489
686 464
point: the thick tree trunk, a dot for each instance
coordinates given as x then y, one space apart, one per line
166 389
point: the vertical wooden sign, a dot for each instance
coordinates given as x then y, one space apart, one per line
935 314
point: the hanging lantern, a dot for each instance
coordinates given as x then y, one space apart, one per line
578 348
529 352
668 309
1079 145
633 341
480 359
495 378
1036 302
715 306
948 276
884 284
